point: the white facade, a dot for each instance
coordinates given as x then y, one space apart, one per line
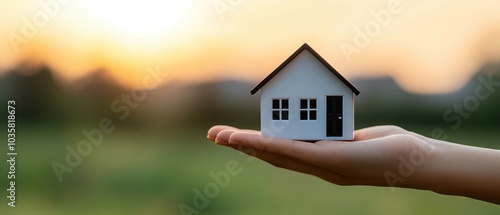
306 77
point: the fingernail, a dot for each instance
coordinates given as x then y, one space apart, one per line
220 142
210 137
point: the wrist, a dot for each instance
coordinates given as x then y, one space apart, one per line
455 169
435 172
427 161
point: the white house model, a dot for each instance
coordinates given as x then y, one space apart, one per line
307 99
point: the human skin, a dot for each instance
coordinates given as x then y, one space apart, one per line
378 156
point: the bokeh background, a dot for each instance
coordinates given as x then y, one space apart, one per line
164 71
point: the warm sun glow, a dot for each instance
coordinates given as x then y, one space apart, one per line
143 18
426 47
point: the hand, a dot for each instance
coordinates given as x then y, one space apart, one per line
362 161
379 156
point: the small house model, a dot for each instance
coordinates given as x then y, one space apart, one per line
305 98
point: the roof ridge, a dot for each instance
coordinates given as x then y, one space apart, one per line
295 54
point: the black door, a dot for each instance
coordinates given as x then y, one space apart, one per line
334 116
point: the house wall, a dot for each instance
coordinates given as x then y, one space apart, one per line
305 77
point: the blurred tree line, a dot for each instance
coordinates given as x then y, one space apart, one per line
42 98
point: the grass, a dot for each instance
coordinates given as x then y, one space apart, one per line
149 172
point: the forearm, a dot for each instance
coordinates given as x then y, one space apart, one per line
462 170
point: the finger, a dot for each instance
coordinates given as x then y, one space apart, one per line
301 151
214 131
377 132
294 165
223 136
384 131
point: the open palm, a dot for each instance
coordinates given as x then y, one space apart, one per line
362 161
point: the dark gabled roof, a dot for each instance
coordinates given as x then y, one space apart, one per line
295 54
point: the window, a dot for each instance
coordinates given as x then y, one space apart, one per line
280 109
308 109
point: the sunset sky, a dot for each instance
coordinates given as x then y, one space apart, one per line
426 46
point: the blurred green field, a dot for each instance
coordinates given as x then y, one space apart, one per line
151 171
